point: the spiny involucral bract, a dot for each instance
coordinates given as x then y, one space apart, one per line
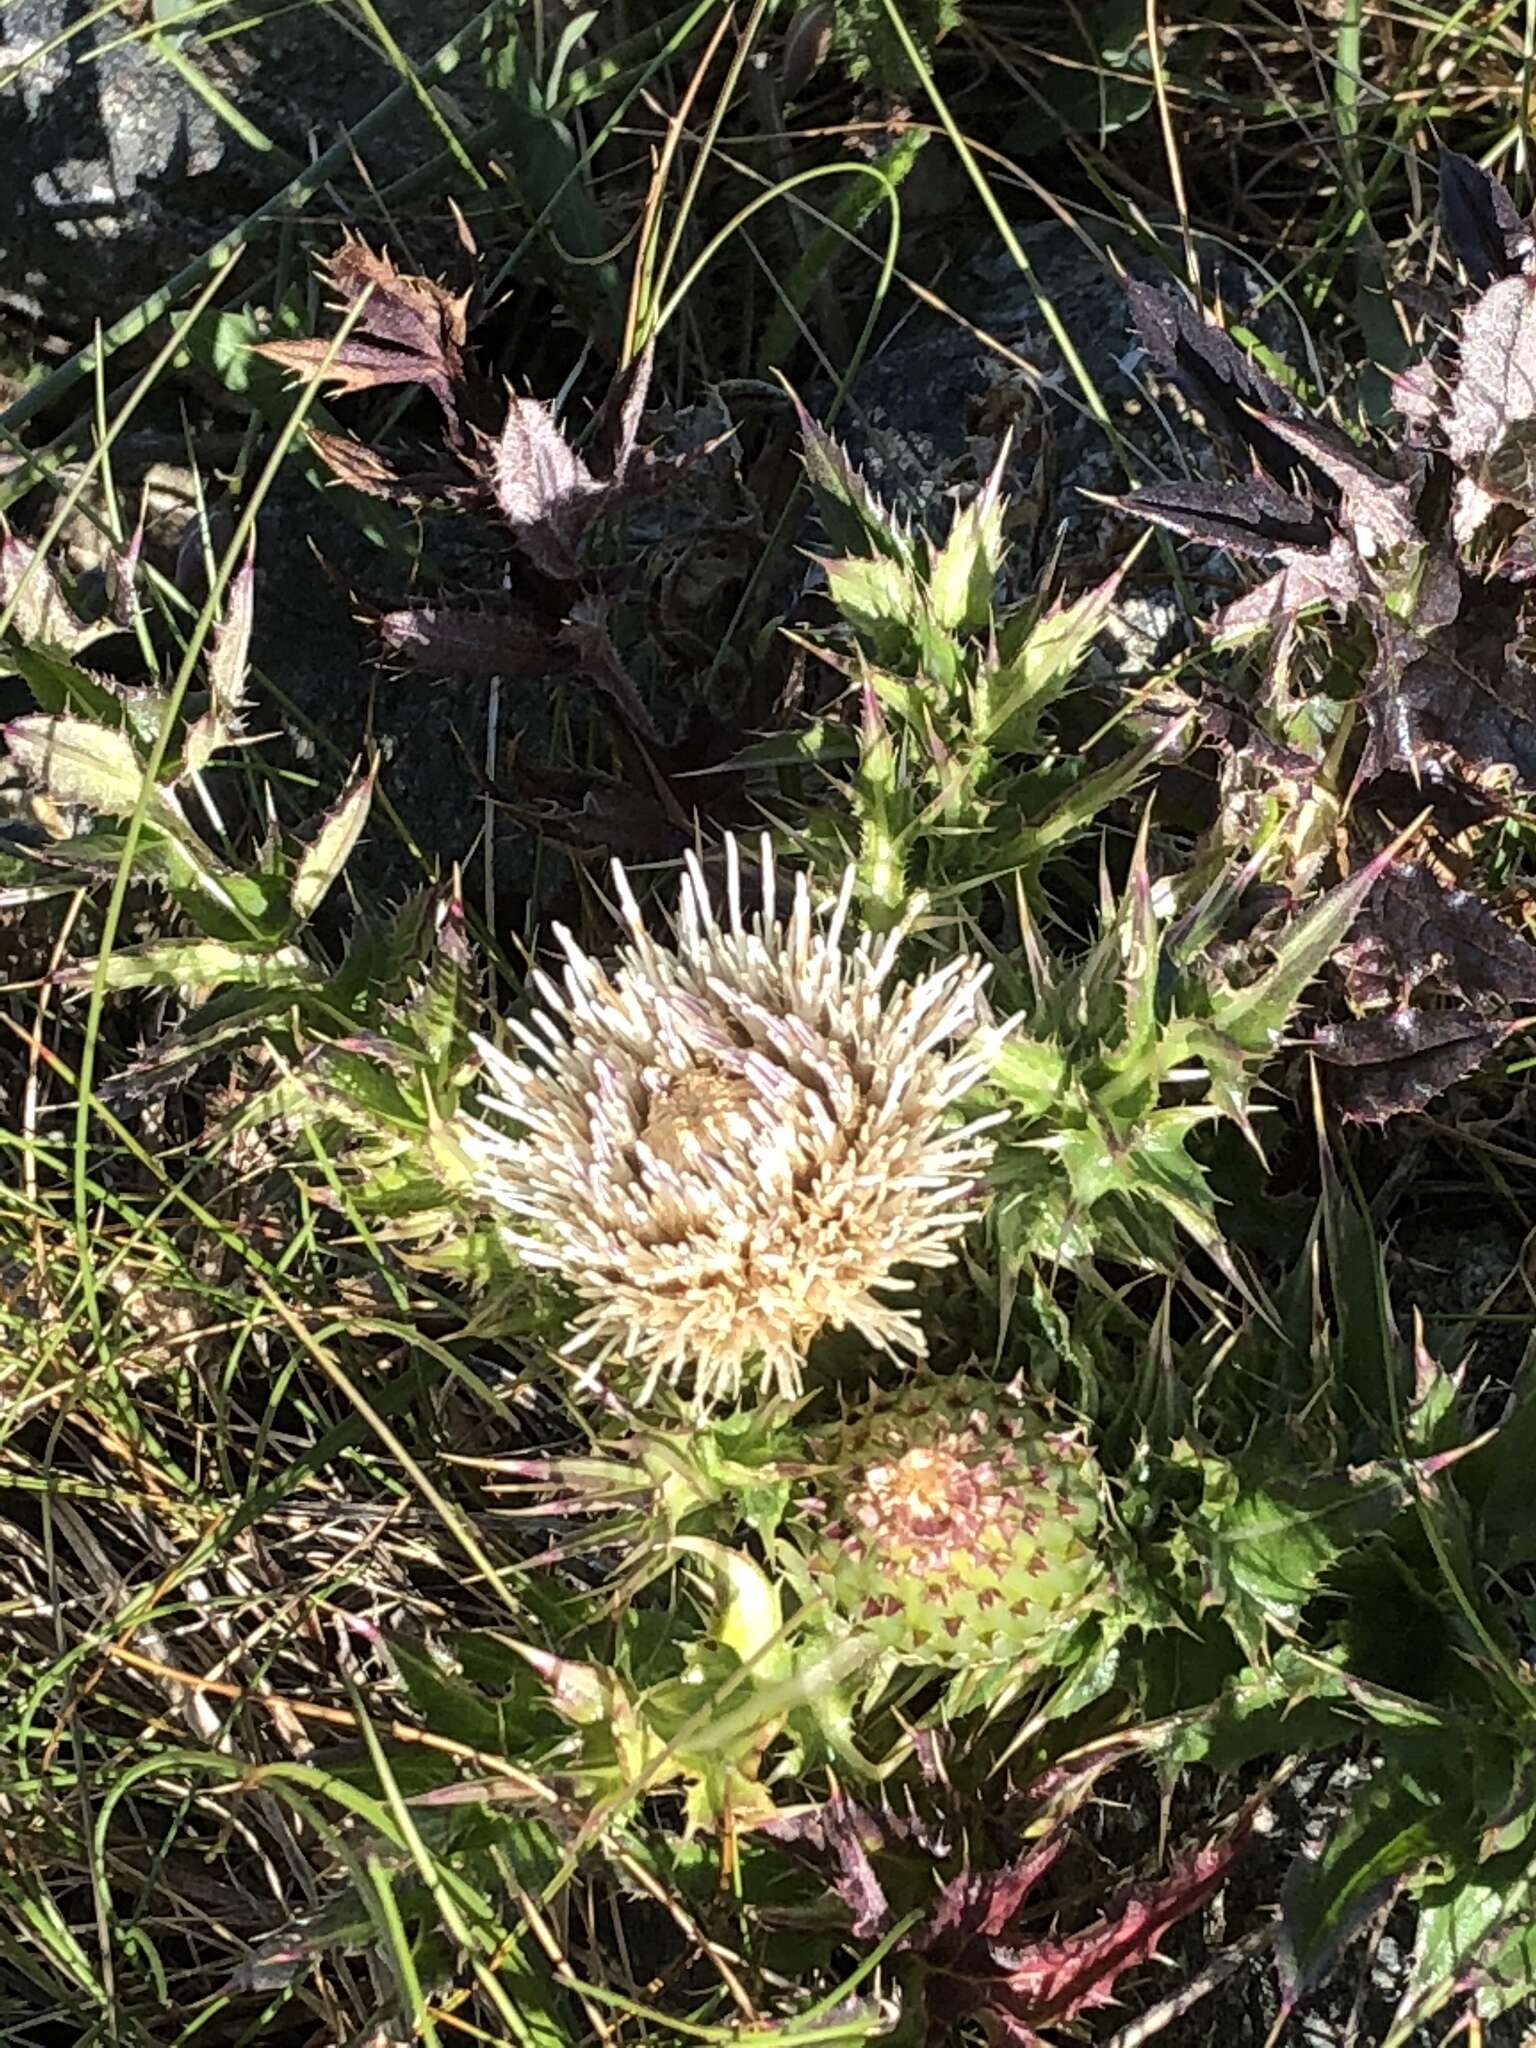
953 1524
736 1139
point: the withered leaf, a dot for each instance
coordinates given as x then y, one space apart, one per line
1413 930
1228 386
471 641
1482 224
1495 395
411 331
364 469
1393 1065
1254 517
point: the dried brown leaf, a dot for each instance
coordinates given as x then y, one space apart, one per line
410 331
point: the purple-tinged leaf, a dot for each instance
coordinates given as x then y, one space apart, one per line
984 1905
1254 517
1393 1065
839 1841
1302 584
1016 1981
1227 385
1456 720
1384 509
585 639
543 490
981 1945
123 577
1414 930
1482 224
469 641
596 817
1495 392
1418 393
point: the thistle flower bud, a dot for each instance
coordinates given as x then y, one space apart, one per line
953 1524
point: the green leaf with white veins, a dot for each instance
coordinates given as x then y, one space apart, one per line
75 762
196 963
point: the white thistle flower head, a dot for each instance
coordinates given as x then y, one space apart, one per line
733 1141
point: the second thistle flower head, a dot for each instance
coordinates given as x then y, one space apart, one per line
736 1139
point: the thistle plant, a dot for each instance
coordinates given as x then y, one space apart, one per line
739 1139
372 1083
974 1943
1124 1052
962 772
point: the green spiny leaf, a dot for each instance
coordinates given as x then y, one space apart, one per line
328 853
853 516
72 761
963 573
196 963
1255 1017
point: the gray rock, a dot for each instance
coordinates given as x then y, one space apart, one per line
119 171
927 408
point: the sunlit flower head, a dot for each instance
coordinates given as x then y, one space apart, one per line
737 1138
